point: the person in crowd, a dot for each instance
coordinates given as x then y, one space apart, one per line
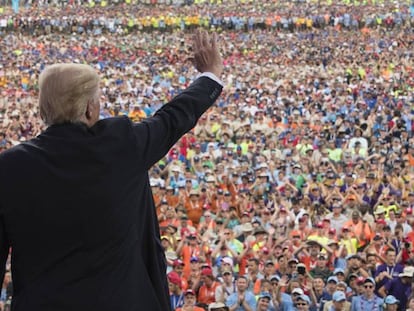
391 303
242 299
368 300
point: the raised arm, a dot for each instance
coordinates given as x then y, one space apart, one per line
157 134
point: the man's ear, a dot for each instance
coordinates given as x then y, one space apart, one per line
88 112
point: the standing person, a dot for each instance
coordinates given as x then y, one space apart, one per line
368 300
400 288
389 270
85 234
242 299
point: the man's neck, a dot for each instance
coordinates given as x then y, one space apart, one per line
369 296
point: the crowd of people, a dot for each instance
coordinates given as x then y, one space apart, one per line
294 192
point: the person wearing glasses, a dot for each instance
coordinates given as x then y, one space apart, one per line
368 300
302 303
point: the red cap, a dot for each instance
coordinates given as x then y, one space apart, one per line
319 224
332 230
189 292
178 262
265 250
381 222
360 280
206 272
409 211
174 278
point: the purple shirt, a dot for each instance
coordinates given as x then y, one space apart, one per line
400 291
394 271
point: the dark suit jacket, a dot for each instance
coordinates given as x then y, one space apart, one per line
77 210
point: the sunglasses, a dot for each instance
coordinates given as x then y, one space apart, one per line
301 304
369 286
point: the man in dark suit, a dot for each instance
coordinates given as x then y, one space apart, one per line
77 208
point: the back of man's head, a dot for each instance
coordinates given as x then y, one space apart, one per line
64 91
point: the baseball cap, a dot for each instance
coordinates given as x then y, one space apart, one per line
304 298
227 260
293 260
369 280
174 278
265 295
390 300
339 270
178 262
353 256
217 305
194 259
206 272
189 292
381 222
332 279
298 291
338 296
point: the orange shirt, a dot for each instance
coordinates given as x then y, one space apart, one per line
357 230
188 252
207 294
194 210
411 159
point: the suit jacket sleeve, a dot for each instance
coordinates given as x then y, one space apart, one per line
4 249
156 135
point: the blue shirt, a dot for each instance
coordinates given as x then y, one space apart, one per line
176 301
286 302
248 297
361 303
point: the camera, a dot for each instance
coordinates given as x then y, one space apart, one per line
301 270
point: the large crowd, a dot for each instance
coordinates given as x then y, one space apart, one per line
296 190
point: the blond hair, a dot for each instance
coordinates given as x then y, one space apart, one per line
64 92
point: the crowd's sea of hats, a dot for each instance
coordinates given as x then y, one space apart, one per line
296 189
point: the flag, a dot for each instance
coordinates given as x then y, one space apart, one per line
15 6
